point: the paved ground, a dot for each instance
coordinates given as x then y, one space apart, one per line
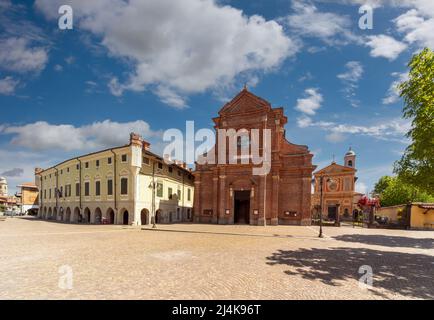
211 262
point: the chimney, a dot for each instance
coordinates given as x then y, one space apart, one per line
136 139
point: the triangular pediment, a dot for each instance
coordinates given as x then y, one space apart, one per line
335 168
245 102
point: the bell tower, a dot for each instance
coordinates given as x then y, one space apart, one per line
350 159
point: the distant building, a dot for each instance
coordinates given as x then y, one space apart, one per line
3 187
121 185
339 195
29 198
416 215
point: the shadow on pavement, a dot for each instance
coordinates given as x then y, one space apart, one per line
388 241
411 275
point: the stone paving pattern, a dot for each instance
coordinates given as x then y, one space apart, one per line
188 261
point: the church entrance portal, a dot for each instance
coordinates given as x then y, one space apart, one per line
242 207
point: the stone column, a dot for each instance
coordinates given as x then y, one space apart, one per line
197 199
215 212
337 221
222 200
275 201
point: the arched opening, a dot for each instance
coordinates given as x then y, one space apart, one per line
110 216
76 217
188 214
61 214
50 213
98 216
86 215
55 214
178 214
144 217
125 217
68 215
158 216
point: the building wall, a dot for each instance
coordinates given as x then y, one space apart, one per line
71 206
421 218
283 196
390 212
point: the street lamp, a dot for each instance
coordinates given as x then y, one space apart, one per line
320 207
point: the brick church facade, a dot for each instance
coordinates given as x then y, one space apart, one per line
232 194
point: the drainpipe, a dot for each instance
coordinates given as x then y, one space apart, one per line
57 191
183 196
153 195
115 182
79 184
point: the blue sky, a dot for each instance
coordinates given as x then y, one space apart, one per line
148 66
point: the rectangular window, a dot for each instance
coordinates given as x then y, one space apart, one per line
188 194
146 161
159 190
78 167
86 165
170 169
77 189
61 171
179 172
97 163
67 169
169 193
109 160
110 187
49 193
179 194
45 194
124 158
160 165
97 188
124 185
61 192
86 189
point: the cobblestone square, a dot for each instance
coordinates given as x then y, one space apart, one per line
190 261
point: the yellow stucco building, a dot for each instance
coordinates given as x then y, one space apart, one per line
121 185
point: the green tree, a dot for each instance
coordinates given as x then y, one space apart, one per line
393 191
417 164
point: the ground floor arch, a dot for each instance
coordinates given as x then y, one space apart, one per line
76 217
67 214
86 216
97 216
110 216
55 213
159 216
125 216
144 217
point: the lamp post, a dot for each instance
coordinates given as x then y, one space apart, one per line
321 207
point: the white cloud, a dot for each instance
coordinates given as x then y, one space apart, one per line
353 73
311 102
389 130
170 97
8 85
44 136
361 187
385 46
418 28
18 55
58 68
350 78
393 94
308 21
335 137
188 46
